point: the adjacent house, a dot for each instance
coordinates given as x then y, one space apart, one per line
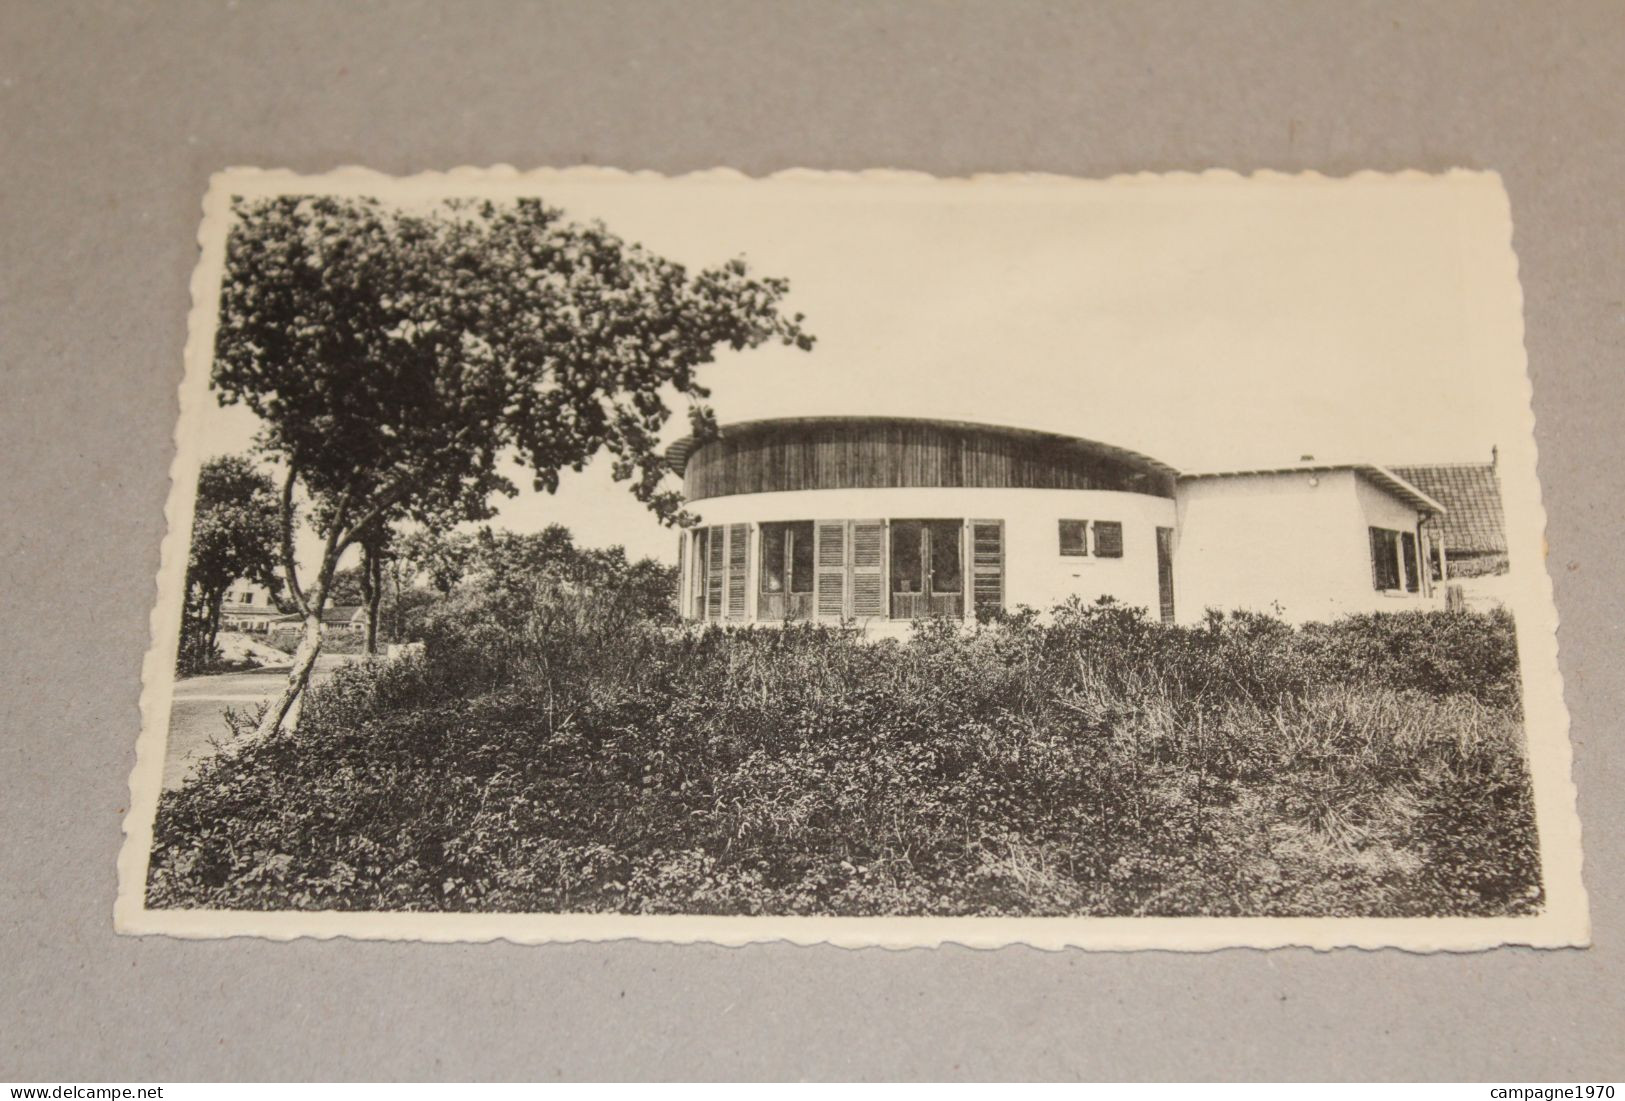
1472 530
881 520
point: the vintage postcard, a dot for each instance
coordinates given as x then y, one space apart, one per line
871 559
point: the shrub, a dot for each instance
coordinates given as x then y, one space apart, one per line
553 752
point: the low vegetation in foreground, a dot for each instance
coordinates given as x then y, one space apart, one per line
554 751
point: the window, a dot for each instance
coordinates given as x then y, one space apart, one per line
946 577
774 537
1073 534
787 557
1407 543
801 557
926 567
1108 539
907 568
1385 560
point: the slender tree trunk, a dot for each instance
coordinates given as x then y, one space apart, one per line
211 621
372 590
304 659
372 624
396 630
312 603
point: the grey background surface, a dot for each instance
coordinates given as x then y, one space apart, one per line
114 116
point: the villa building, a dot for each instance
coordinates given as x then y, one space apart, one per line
882 520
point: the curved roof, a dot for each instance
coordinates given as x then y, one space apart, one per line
677 455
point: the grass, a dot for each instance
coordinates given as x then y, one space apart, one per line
1096 764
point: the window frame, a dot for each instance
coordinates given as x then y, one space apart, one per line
792 542
1384 549
1082 528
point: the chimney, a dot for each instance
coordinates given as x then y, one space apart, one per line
1495 457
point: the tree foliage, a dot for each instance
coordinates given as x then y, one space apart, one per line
534 573
396 356
441 557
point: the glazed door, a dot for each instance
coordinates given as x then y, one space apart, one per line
786 571
927 568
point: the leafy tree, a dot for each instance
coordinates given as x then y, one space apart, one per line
393 356
537 601
442 557
347 586
235 535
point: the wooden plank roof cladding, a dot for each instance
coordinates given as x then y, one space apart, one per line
879 452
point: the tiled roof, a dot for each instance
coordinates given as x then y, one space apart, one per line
341 613
1471 492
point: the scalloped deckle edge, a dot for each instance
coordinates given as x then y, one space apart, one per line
1483 203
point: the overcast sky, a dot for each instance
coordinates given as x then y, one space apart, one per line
1213 323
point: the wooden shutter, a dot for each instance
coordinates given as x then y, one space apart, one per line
1108 539
987 567
868 568
738 550
683 604
714 562
829 568
1407 545
1165 572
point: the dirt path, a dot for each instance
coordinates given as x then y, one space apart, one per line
197 714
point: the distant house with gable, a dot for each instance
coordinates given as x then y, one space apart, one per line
248 607
338 620
345 619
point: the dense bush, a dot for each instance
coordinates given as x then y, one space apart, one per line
564 754
1481 565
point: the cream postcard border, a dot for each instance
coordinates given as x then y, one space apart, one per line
1563 923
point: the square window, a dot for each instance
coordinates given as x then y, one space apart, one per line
1073 536
1384 559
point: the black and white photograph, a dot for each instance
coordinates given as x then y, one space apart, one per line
863 558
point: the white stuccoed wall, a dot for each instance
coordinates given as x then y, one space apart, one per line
1297 540
1036 573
